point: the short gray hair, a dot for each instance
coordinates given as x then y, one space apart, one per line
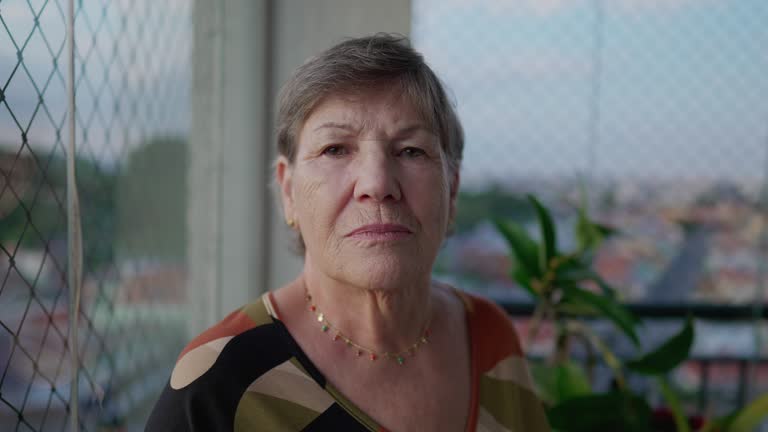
356 64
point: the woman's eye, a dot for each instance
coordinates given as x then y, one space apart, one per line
412 152
334 150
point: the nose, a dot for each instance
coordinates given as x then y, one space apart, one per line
377 178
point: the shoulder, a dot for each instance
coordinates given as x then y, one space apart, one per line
216 369
204 350
491 330
507 393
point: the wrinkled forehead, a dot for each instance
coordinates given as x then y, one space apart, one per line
370 108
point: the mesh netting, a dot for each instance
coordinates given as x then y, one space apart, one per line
655 113
132 72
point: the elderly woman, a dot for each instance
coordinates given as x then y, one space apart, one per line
368 172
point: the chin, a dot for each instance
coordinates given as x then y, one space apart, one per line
385 272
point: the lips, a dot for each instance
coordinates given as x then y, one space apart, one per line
380 229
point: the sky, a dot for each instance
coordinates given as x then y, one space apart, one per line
132 66
683 86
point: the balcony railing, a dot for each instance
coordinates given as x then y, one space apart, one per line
703 364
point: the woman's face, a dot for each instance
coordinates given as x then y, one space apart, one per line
369 189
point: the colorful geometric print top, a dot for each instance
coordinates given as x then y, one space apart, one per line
247 373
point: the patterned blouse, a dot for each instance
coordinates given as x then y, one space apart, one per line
247 373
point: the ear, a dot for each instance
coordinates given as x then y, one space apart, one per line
454 193
283 174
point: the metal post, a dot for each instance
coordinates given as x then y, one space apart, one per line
743 382
703 385
761 285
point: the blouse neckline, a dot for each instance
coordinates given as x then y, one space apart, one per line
307 365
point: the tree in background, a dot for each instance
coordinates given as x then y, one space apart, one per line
34 214
137 209
152 200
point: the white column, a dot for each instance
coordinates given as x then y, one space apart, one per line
229 161
243 51
305 28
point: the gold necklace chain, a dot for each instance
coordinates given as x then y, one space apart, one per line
373 355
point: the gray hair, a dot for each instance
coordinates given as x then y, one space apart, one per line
356 64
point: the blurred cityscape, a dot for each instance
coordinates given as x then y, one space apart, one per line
681 241
678 243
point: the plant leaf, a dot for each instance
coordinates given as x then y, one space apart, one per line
524 249
546 382
571 381
608 356
578 309
673 402
716 425
609 308
577 273
605 231
615 411
751 416
571 273
588 233
548 233
559 383
667 356
709 426
607 289
520 275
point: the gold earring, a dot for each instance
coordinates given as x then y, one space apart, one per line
291 223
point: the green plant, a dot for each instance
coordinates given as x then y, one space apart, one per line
567 291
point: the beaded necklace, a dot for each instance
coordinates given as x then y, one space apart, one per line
373 355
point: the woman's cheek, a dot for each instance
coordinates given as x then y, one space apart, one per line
432 200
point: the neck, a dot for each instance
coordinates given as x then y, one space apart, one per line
382 319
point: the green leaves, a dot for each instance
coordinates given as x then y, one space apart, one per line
610 309
744 420
669 355
673 402
565 286
663 360
543 271
574 271
614 411
559 383
587 236
534 258
588 233
521 276
525 250
548 234
571 381
751 416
